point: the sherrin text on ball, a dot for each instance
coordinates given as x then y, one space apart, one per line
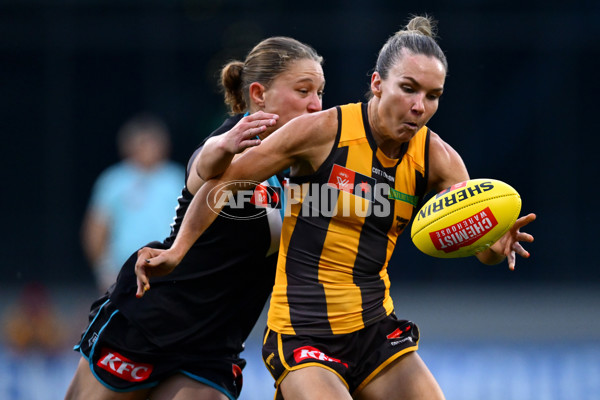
465 218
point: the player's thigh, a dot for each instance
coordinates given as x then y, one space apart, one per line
313 383
407 378
85 386
180 387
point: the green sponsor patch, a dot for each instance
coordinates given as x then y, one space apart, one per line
407 198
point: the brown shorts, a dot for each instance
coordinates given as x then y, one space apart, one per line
356 357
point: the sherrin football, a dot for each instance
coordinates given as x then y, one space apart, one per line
465 218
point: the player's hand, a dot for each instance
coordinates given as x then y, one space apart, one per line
509 245
152 262
244 134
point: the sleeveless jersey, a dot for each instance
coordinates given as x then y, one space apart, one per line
340 230
212 299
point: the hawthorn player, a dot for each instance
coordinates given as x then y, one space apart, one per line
332 332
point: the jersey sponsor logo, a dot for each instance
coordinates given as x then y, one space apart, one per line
460 194
309 352
407 198
465 232
351 181
380 172
123 367
228 198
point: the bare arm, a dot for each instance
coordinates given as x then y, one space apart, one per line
446 168
302 143
218 151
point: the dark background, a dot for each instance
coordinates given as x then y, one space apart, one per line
519 106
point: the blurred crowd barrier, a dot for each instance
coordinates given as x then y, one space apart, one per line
507 343
465 371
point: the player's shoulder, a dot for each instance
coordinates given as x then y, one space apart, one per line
440 151
446 166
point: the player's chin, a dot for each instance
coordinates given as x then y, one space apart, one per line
404 135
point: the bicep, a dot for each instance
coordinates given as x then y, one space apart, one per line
446 166
261 162
300 144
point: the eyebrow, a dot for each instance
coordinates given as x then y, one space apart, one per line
441 89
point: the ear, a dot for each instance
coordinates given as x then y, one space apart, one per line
376 84
257 94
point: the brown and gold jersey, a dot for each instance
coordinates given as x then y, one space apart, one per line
340 231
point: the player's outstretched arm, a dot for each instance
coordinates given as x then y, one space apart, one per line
304 141
446 169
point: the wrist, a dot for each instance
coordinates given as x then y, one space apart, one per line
222 146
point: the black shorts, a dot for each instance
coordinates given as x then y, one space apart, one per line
356 357
123 360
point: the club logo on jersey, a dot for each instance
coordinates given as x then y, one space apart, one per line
309 352
465 232
123 367
244 200
346 180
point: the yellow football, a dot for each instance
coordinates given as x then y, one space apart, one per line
465 218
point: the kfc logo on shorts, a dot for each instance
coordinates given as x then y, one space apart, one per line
123 367
302 353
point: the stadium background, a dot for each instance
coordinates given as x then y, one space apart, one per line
519 106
